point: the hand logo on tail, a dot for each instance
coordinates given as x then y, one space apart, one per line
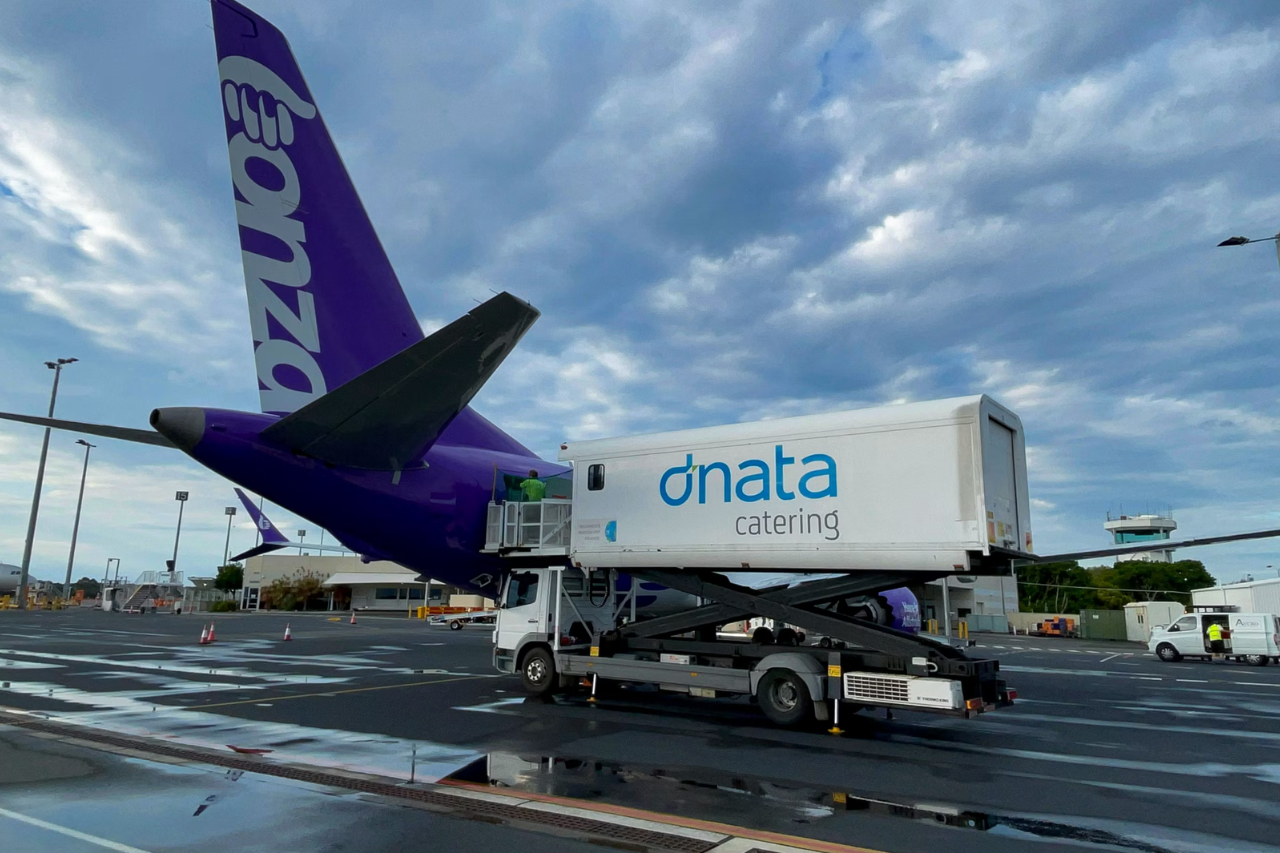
256 96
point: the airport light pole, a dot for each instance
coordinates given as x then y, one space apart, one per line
75 528
302 534
226 549
56 367
1244 241
181 498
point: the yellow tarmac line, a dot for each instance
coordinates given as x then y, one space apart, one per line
261 699
671 820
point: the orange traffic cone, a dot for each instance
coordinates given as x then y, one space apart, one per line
353 617
211 637
287 635
204 635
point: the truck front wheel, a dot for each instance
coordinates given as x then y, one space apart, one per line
784 698
1166 652
538 671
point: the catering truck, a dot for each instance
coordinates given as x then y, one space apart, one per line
827 509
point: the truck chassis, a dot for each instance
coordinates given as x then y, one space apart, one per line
856 664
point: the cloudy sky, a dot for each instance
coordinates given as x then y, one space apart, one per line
724 211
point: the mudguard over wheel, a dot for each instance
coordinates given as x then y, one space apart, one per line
784 698
538 672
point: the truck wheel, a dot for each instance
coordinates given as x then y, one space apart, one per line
762 636
455 625
1167 653
538 671
1257 660
784 698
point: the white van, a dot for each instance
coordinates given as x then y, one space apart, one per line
1254 637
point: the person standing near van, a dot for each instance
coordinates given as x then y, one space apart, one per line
1215 640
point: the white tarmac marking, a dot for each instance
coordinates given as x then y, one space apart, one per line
82 836
1193 680
1113 657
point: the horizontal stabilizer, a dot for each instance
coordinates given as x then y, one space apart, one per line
264 548
141 436
387 417
1151 545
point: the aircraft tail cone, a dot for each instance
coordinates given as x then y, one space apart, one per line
287 636
204 635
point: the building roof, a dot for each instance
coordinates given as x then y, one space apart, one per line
358 578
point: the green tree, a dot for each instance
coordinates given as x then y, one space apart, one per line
229 578
1144 581
1062 587
92 589
291 593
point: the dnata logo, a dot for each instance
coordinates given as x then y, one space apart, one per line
264 106
756 480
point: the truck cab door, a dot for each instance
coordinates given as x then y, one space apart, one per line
524 608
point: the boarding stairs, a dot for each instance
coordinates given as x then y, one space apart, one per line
142 599
528 528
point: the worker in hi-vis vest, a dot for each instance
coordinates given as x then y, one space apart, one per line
533 488
1215 638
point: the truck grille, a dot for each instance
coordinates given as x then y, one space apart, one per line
874 688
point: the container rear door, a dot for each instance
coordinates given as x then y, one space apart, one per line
1000 483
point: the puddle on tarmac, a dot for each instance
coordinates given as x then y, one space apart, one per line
770 805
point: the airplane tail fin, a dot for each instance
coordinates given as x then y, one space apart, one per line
325 305
270 533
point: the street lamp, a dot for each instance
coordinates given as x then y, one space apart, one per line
302 534
226 549
75 528
56 367
181 498
1244 241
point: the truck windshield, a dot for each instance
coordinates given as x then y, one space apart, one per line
522 589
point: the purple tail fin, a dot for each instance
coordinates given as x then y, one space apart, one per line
324 303
270 535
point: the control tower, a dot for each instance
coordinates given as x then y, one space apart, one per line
1131 529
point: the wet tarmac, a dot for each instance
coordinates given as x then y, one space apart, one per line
1108 749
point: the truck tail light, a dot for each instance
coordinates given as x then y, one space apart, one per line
1012 694
973 704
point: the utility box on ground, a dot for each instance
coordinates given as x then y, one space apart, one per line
1141 616
1102 625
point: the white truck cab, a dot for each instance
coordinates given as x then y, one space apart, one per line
1252 638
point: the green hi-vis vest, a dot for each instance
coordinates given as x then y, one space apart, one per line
1215 632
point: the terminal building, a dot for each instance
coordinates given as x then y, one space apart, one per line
348 583
1136 529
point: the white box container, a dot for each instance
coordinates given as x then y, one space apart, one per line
935 486
1251 597
1141 616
